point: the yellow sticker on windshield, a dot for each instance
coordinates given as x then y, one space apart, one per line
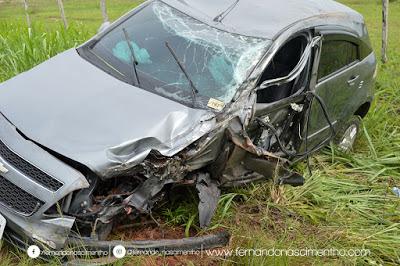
216 104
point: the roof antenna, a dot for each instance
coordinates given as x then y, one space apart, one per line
224 13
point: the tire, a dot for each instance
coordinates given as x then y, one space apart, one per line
347 134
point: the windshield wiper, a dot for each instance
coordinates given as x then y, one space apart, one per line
133 57
224 13
194 90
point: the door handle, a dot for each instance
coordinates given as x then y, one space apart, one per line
352 80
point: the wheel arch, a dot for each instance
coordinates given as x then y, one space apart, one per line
363 109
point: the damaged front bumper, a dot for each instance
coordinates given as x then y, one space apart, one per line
220 159
27 191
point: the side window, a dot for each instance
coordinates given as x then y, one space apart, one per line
336 54
283 62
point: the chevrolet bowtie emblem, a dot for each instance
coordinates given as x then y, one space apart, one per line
3 169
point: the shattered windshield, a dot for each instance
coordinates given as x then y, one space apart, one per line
216 61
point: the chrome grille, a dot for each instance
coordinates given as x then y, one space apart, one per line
17 199
28 169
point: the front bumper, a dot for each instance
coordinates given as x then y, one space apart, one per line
31 181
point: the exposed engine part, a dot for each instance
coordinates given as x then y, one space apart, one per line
164 167
240 138
142 198
83 199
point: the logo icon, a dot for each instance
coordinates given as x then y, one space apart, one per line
119 251
3 169
33 251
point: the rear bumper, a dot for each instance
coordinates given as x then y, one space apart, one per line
31 181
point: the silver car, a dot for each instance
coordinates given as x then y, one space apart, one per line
209 94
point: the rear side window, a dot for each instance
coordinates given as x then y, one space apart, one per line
335 55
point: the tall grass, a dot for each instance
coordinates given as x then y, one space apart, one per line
21 50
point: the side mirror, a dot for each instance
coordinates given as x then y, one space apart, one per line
297 70
103 26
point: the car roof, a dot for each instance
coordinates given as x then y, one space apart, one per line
268 18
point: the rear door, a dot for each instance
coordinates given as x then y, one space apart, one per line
338 78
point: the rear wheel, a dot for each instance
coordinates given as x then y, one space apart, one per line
347 135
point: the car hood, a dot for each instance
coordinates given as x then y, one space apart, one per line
75 109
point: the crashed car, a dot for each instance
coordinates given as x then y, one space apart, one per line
209 94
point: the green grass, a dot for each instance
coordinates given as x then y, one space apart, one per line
46 11
346 203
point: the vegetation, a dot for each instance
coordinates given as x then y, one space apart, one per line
346 203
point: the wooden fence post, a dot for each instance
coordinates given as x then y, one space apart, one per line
385 29
61 7
28 19
103 8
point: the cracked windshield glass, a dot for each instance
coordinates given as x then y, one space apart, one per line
216 61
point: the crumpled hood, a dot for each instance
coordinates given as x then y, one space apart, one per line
75 109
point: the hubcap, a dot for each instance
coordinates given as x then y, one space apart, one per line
348 139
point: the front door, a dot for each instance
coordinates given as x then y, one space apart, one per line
281 104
